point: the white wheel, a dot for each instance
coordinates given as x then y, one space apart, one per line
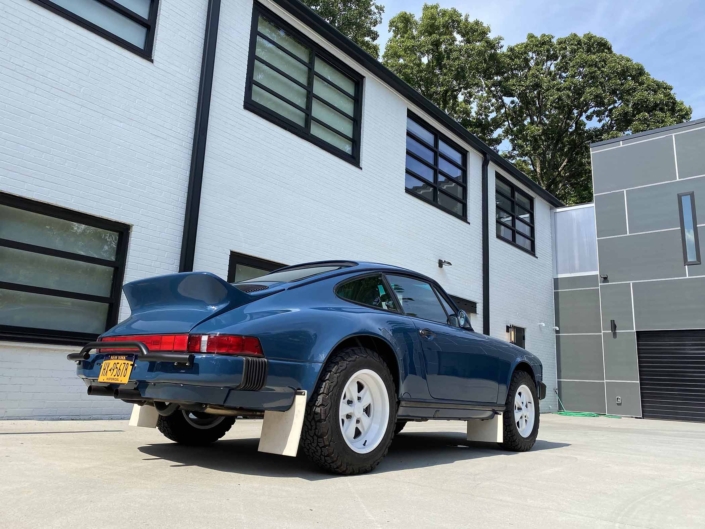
524 411
364 411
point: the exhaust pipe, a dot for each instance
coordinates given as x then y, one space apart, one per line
165 409
130 394
99 391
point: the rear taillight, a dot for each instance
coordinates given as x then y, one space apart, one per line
228 344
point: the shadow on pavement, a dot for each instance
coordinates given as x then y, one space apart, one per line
408 451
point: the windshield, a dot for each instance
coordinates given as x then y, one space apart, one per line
294 274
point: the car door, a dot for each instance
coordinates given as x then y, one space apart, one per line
457 366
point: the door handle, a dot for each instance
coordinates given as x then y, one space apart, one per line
426 333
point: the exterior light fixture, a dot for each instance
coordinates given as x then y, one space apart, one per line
441 263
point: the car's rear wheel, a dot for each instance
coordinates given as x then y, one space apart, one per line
351 416
194 428
522 414
399 427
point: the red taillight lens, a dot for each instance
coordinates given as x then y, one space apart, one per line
155 342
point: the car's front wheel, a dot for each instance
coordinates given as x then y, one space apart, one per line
194 428
350 418
522 414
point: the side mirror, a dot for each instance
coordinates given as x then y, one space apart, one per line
453 321
463 320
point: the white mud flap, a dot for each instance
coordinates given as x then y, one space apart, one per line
489 431
144 416
281 430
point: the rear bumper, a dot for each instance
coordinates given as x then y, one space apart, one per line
237 382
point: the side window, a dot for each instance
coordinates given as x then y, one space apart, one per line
370 290
418 298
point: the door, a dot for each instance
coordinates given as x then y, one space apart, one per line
457 367
672 374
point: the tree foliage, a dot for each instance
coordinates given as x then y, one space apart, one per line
356 19
540 102
447 57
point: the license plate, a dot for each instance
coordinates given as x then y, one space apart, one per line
116 370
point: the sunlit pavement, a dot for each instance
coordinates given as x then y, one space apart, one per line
583 472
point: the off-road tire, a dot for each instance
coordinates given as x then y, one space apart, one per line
176 428
513 441
322 439
399 427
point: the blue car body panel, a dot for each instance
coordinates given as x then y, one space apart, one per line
299 325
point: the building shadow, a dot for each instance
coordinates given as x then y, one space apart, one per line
408 451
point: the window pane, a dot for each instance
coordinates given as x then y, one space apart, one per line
41 230
106 18
418 187
141 7
450 152
504 203
419 168
524 215
295 274
334 96
691 248
335 76
418 299
331 137
368 291
504 217
243 272
523 228
450 186
332 118
523 200
415 147
503 232
504 188
281 60
448 203
278 106
22 309
280 37
279 84
450 169
421 132
27 268
523 241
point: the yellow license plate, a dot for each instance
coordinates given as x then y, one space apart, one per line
116 370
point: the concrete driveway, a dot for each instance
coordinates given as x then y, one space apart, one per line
582 473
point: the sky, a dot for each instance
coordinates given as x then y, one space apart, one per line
666 36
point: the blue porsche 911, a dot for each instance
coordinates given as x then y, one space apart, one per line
336 356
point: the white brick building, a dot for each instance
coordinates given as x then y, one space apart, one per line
105 130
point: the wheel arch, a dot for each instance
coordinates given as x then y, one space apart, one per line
524 366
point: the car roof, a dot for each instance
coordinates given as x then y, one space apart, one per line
347 267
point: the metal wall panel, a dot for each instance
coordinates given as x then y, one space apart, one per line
578 311
573 282
670 305
699 270
630 397
582 396
690 149
620 356
616 303
580 357
610 214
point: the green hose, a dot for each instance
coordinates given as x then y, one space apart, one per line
567 413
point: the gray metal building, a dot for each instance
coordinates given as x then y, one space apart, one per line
630 308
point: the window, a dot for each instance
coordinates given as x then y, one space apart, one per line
418 298
515 216
290 275
689 228
371 291
61 272
243 267
470 307
517 335
435 168
298 86
129 23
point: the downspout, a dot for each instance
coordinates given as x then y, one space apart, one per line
485 245
198 152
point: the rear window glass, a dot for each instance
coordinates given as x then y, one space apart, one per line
295 274
370 291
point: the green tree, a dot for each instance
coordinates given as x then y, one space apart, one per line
553 97
356 19
447 57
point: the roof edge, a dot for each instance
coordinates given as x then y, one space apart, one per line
311 19
700 121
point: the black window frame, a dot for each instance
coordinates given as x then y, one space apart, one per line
519 342
383 278
698 259
316 51
150 23
438 137
237 258
38 335
515 217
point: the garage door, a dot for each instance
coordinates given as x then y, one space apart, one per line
672 375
